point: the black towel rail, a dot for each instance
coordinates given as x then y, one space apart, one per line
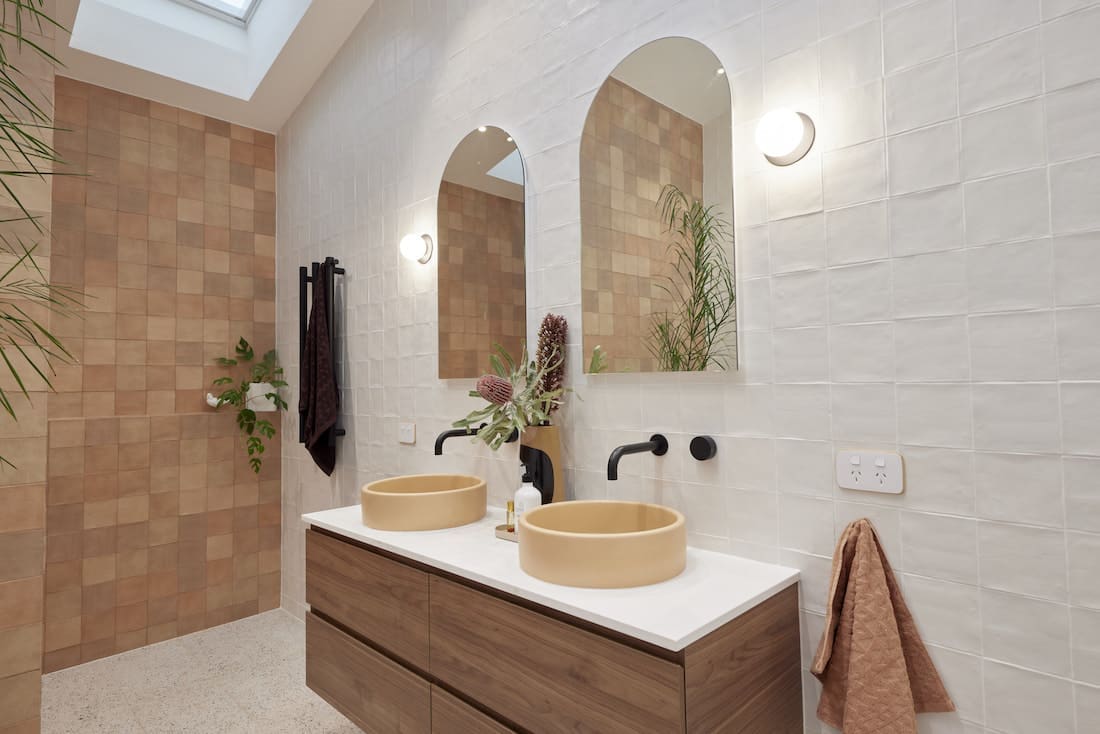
306 275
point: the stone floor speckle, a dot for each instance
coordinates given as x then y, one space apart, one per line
246 677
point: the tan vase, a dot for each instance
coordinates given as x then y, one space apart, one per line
540 450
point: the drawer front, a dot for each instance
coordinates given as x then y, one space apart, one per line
383 600
370 689
546 675
452 716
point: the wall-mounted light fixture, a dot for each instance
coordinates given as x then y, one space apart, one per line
785 136
417 247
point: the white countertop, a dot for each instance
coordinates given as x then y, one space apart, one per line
713 589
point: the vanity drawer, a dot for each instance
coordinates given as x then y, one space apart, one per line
546 675
383 600
370 689
452 716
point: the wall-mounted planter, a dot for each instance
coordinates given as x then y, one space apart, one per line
257 398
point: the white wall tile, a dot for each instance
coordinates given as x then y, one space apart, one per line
1011 277
1081 418
1055 8
999 72
1078 347
802 411
924 159
852 58
1024 488
1016 418
1019 701
930 285
979 21
932 350
1074 190
806 524
918 32
928 221
864 413
804 467
1077 269
935 415
851 116
1087 700
939 480
921 95
939 546
1084 555
797 243
1002 140
946 613
1073 122
789 26
1081 477
1025 631
1086 644
854 175
861 352
857 233
795 189
1011 207
1070 53
798 299
860 293
1023 560
840 15
1013 347
801 355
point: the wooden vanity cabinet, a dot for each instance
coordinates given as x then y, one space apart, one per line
399 647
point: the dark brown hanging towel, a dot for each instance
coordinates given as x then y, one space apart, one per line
319 405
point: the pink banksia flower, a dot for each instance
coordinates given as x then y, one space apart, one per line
495 389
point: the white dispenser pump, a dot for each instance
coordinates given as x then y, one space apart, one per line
527 498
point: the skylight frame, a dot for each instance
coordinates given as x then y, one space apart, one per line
223 10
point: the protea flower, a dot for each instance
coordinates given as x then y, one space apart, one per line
495 389
551 355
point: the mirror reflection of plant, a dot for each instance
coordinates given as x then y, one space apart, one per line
254 428
516 397
694 336
27 347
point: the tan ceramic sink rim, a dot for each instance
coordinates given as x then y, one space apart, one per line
675 517
423 502
598 558
379 486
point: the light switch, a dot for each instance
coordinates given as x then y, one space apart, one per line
406 433
870 471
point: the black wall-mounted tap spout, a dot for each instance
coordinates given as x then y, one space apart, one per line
456 432
656 445
453 433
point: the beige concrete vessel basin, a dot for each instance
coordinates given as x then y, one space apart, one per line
423 502
602 544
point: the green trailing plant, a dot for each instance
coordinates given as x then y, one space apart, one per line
254 428
515 395
27 347
695 334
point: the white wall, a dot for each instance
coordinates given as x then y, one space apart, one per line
926 279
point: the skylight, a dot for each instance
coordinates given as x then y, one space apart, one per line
236 10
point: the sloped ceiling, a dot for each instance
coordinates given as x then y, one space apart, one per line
149 66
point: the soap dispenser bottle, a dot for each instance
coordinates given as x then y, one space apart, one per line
527 498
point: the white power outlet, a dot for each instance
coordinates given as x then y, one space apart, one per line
406 433
870 471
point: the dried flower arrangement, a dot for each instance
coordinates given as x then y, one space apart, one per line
520 393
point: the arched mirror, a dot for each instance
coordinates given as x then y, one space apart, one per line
482 277
656 181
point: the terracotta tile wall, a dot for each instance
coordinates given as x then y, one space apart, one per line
632 146
482 278
155 524
23 489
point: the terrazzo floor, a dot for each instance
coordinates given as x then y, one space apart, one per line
240 678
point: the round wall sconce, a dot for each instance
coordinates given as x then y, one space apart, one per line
785 136
417 247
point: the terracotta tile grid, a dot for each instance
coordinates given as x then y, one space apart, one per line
631 147
482 279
